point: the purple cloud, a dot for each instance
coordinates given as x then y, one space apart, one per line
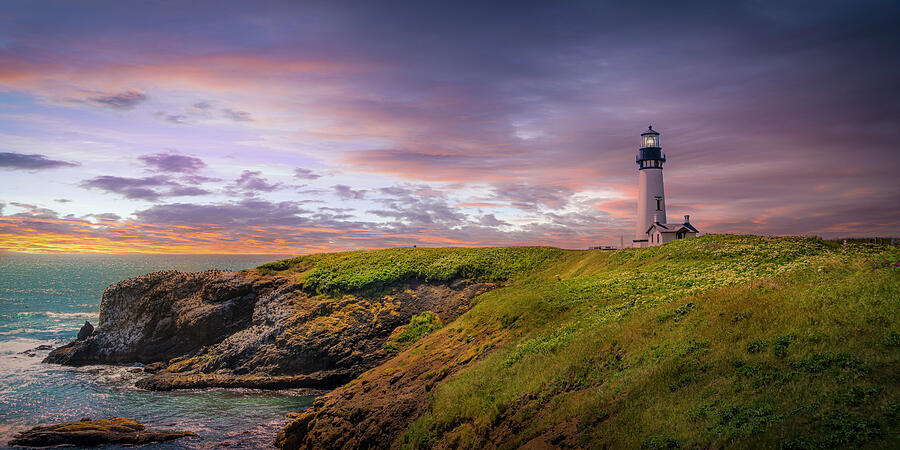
237 116
417 205
106 217
147 188
531 196
198 179
251 182
177 119
171 162
250 211
202 106
121 101
347 193
306 174
9 160
34 211
489 220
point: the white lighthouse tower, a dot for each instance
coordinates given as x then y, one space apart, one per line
652 228
651 194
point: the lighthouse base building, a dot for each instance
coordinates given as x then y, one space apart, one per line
660 233
652 228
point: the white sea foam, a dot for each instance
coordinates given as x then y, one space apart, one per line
72 315
75 315
49 329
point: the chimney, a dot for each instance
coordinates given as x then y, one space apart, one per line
656 217
687 218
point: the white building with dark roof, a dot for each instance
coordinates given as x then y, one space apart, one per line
652 228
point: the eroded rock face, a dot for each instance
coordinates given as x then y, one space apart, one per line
373 410
240 329
165 314
91 433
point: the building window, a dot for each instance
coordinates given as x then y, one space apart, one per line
659 204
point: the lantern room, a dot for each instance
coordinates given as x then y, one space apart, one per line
650 155
650 138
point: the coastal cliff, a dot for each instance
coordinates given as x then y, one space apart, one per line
243 329
710 342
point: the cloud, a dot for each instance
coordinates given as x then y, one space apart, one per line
237 116
147 188
106 217
34 211
177 119
247 212
121 101
172 162
489 220
201 107
10 160
347 193
202 110
306 174
63 200
251 182
417 205
532 196
185 191
198 179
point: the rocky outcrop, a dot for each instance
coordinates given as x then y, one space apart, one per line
374 409
241 329
166 314
91 433
85 332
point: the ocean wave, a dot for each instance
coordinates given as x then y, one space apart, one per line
75 315
18 345
49 329
72 315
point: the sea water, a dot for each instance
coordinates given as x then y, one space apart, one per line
45 299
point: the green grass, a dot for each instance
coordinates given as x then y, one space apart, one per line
373 271
670 346
419 326
709 342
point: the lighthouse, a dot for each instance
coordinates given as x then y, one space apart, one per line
652 228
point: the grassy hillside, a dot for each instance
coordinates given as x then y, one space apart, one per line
361 271
663 347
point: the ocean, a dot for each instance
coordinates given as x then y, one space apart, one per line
44 300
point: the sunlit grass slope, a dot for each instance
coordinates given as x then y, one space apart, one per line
717 341
360 271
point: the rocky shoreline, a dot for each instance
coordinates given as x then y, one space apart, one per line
242 329
92 433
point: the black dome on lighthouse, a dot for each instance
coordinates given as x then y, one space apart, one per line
650 131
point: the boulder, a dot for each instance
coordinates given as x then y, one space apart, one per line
91 433
86 331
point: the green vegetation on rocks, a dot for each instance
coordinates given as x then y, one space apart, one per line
419 326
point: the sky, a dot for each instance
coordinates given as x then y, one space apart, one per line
298 127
